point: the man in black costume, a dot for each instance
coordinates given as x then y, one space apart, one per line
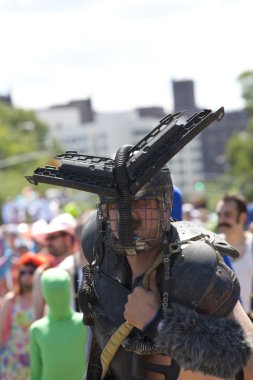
183 317
161 303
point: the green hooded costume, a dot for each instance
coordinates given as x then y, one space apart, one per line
58 341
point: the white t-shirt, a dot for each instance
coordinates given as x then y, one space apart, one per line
243 267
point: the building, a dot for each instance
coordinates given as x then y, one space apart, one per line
208 150
215 138
6 99
187 166
76 126
102 134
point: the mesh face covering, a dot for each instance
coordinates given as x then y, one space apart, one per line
150 219
137 226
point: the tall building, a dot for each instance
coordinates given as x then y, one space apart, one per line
184 95
6 99
103 133
215 138
212 141
187 166
76 126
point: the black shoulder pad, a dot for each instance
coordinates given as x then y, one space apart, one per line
199 278
190 231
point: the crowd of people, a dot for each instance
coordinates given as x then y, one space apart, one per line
41 261
30 248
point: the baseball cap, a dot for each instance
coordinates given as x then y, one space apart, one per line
61 223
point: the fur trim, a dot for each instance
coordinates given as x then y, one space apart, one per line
200 343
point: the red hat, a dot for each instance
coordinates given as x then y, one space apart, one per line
32 259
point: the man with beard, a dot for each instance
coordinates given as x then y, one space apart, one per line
60 241
137 333
232 217
160 301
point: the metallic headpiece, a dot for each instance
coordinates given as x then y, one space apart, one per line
132 170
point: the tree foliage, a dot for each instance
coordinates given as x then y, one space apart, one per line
246 81
239 150
20 133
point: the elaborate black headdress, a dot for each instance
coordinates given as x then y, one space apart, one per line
132 169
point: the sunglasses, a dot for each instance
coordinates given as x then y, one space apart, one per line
56 236
24 272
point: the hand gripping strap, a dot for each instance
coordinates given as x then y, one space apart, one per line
125 329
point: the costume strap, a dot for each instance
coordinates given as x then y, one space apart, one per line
125 329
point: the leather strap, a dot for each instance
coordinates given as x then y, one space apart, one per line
124 330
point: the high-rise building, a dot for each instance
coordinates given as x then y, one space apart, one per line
76 126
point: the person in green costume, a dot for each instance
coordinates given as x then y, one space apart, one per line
58 340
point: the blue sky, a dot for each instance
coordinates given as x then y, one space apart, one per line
124 53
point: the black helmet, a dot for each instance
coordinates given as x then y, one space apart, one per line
159 184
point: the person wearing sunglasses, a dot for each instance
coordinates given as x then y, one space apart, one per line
60 241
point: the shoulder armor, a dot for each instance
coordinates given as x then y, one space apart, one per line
188 231
199 278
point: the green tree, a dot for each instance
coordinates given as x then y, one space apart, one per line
239 150
24 147
246 81
22 142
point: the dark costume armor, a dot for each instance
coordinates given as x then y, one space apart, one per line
199 280
198 290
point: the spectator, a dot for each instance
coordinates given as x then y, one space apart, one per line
10 255
37 233
232 217
40 208
61 244
3 289
9 212
187 209
16 315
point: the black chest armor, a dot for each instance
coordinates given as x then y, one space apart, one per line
106 285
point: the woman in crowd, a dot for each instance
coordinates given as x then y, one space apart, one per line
16 316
